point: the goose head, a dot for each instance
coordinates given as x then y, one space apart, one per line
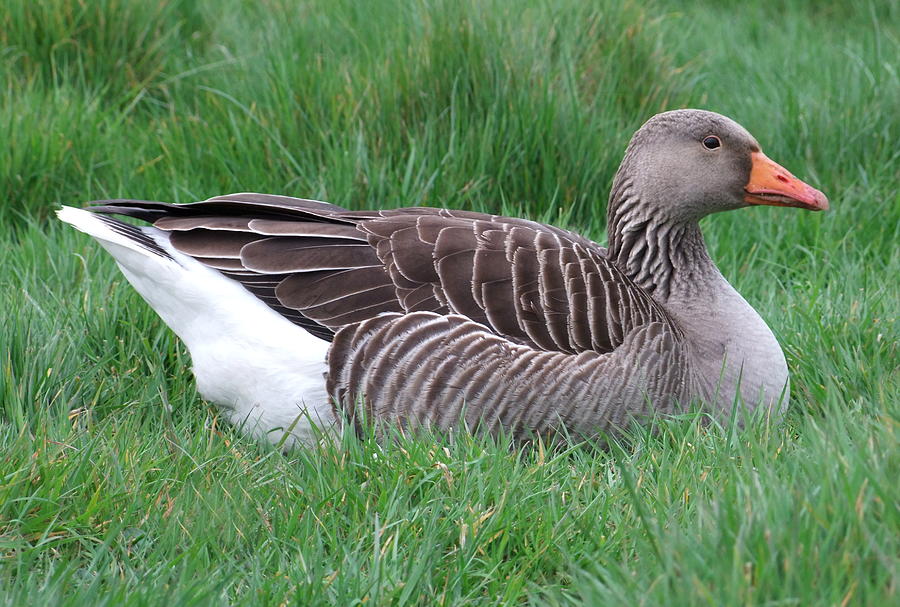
686 164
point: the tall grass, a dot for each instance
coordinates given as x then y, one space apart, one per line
118 485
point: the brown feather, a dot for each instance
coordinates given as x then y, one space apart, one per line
533 284
212 243
285 254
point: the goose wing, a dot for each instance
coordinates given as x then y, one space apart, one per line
325 268
437 314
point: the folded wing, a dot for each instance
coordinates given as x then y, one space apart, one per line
325 268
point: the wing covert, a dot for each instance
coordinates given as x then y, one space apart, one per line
324 267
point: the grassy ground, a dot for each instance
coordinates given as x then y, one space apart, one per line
118 485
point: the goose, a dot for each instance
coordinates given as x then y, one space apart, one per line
299 313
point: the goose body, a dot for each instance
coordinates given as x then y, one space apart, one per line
294 310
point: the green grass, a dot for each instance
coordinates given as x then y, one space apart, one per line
118 485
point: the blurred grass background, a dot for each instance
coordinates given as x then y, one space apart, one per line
118 485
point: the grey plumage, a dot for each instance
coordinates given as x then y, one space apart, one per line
438 315
430 369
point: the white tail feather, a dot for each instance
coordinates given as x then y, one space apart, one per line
93 225
265 372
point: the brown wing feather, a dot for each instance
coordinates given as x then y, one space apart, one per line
324 267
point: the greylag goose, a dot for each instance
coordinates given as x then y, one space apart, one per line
298 313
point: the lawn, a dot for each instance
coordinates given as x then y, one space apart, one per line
120 486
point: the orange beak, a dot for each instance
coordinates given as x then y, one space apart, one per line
771 183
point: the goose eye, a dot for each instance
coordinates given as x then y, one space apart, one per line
712 142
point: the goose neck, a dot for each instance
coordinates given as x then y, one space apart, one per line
664 255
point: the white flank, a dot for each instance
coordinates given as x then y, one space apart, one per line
267 374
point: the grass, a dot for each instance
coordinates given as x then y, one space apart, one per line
118 485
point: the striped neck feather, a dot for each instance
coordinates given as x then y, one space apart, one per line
661 254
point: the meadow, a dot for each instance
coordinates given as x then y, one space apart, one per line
119 485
